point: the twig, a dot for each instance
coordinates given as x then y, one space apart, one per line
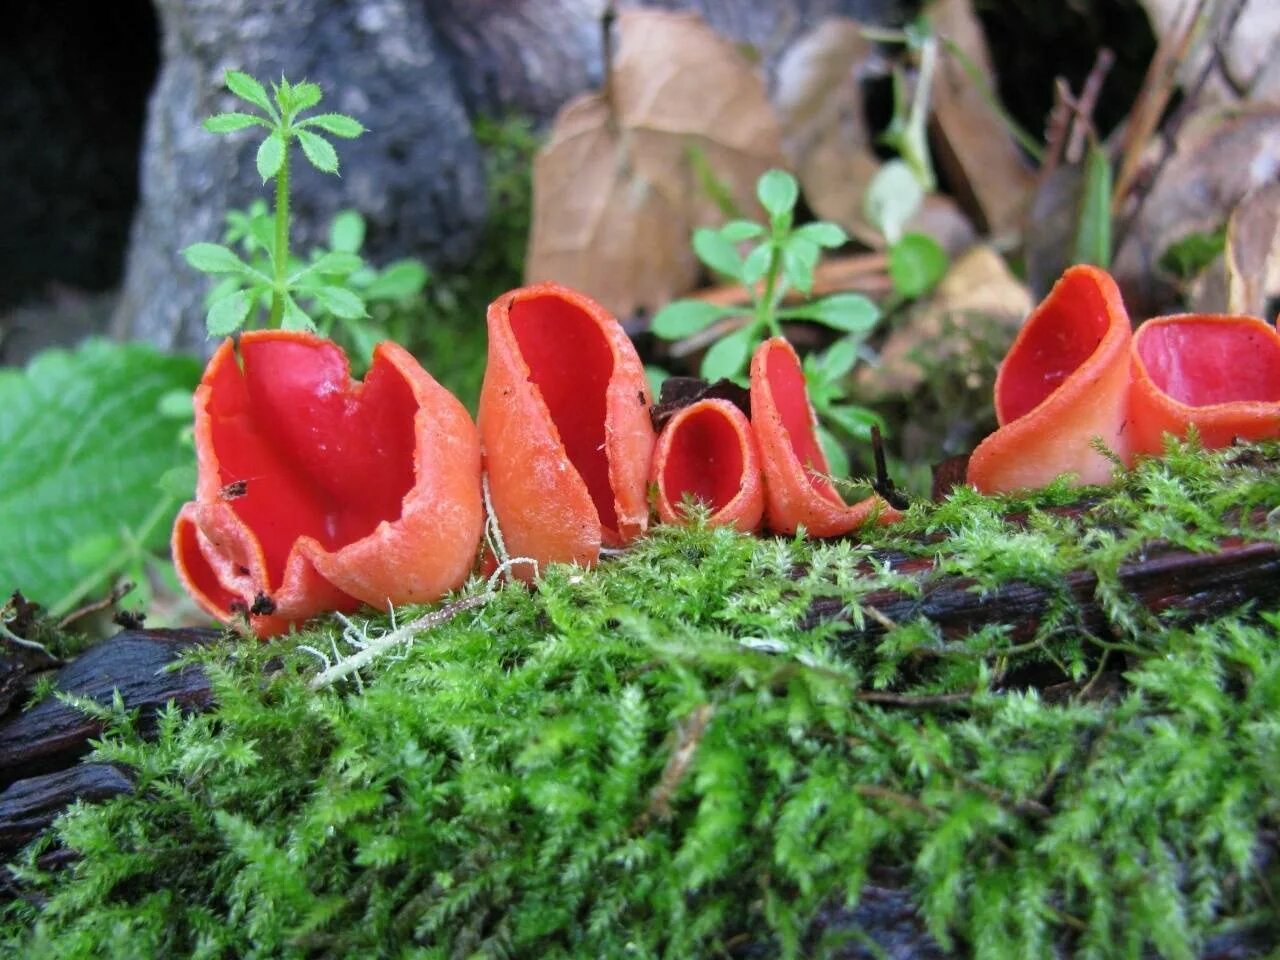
375 648
688 735
1088 100
110 600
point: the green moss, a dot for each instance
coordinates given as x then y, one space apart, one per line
659 758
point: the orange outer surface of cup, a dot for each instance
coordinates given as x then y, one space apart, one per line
1064 382
564 423
797 492
352 492
708 451
1218 373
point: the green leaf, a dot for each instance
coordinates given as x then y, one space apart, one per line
83 450
916 264
737 231
848 312
364 337
683 318
284 94
228 315
231 122
855 421
655 376
728 356
778 192
338 124
824 234
799 260
270 157
214 258
341 302
295 318
757 264
401 280
346 232
306 96
717 253
837 458
319 151
176 405
331 262
179 482
1093 236
838 359
250 90
892 198
1187 257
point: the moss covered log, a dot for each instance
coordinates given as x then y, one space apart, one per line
674 755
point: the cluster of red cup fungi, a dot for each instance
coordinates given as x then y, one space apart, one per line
320 493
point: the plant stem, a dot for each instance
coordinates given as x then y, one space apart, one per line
280 256
767 305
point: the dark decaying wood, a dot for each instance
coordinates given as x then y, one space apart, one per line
52 735
28 806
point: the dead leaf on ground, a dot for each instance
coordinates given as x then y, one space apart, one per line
818 97
1253 252
1220 156
974 147
616 195
1246 35
978 284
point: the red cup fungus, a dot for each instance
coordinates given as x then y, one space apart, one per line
1218 373
564 422
319 493
707 451
797 489
1064 382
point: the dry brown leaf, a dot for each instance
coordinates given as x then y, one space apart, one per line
824 128
979 283
1253 252
615 193
1220 156
1246 34
974 147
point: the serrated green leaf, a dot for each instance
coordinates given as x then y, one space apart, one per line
250 90
1093 234
295 318
231 122
346 232
727 357
757 264
799 260
737 231
214 258
270 157
828 235
228 315
717 253
338 124
319 151
777 191
401 280
83 450
847 312
340 302
284 94
683 318
306 96
892 198
330 263
916 264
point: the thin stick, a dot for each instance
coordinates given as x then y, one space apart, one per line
406 633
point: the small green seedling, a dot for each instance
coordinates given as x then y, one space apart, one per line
323 280
381 290
782 258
